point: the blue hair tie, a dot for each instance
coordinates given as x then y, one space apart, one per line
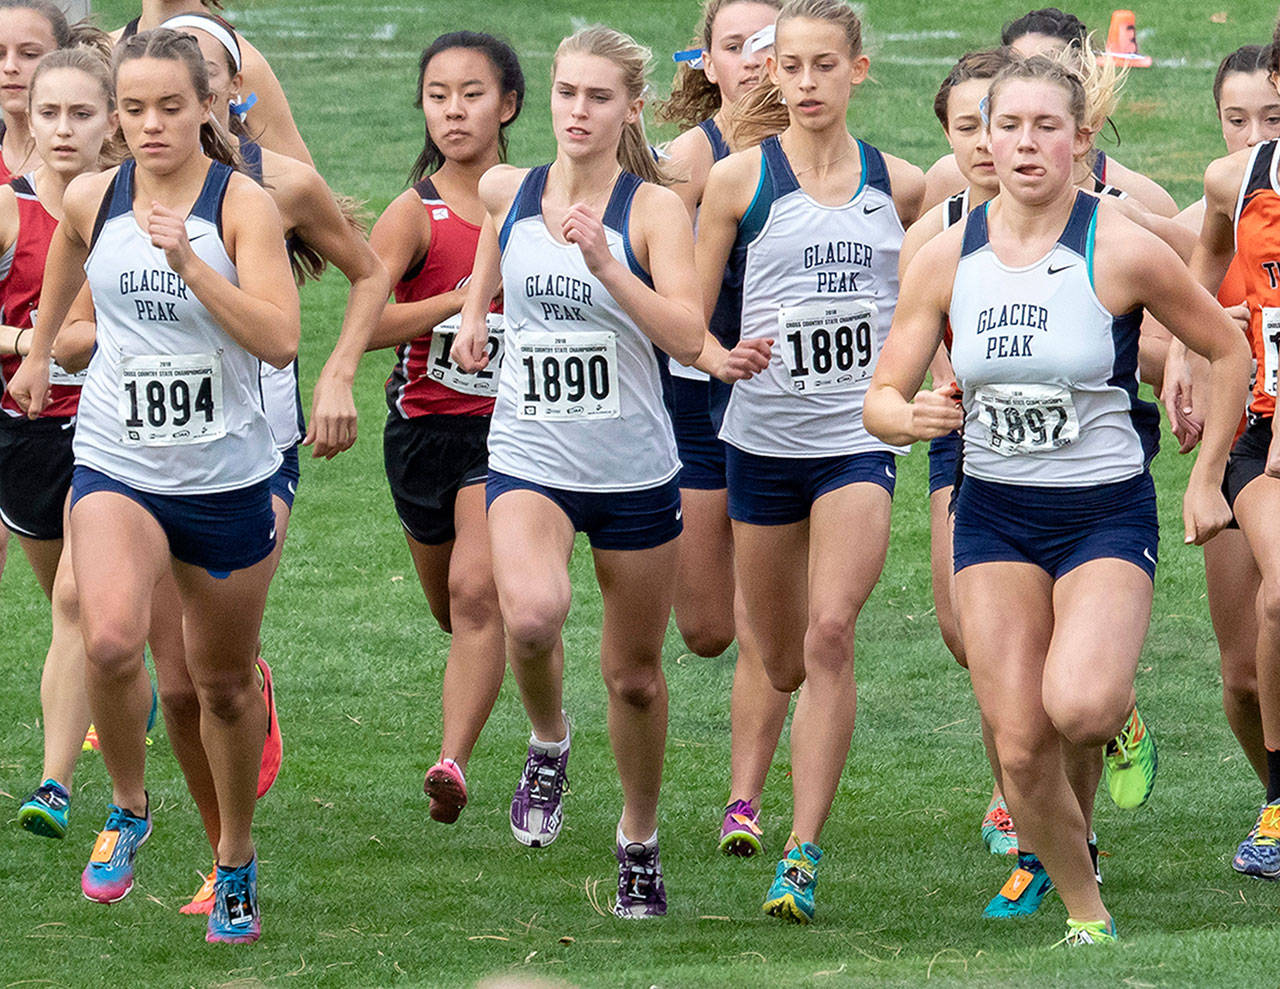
984 107
244 105
693 56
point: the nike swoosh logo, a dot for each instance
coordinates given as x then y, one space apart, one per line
888 473
293 488
1054 271
1147 553
868 210
197 237
679 512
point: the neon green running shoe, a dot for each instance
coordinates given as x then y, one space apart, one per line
1130 764
791 895
1085 932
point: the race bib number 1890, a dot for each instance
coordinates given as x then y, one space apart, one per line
828 347
1026 418
566 376
171 399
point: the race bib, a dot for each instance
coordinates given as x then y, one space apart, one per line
1270 349
171 400
441 368
1026 418
569 376
828 347
59 376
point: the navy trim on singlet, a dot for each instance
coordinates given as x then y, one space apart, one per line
22 187
955 209
1079 229
1144 416
208 205
875 172
251 152
130 29
617 216
528 202
1100 167
719 146
975 231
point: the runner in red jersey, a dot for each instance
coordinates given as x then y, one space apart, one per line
72 116
470 88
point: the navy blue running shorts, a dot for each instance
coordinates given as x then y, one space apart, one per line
782 490
701 450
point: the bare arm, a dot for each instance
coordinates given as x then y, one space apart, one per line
690 161
907 182
270 120
73 345
498 188
401 236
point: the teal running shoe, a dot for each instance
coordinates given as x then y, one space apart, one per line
998 832
1081 933
1022 892
791 895
45 811
109 875
235 918
1130 763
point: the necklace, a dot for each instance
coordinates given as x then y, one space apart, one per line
595 197
827 164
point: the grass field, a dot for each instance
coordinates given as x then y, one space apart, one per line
360 888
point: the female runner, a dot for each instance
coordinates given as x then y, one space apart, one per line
815 218
1042 32
704 596
271 121
1242 207
317 232
470 88
593 259
1057 511
73 120
174 454
1249 112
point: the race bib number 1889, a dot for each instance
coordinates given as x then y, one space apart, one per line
566 376
829 347
1026 418
171 399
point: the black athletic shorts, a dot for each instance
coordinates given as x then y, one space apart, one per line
35 474
429 459
1248 460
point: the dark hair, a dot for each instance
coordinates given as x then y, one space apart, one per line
972 65
1049 21
510 80
51 12
1247 59
174 46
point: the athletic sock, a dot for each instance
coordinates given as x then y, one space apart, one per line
649 842
1273 775
550 748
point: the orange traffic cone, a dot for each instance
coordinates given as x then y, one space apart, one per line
1122 41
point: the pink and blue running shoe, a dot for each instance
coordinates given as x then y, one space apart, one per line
235 918
109 875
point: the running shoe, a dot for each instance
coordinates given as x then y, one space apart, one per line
1130 764
45 811
998 833
447 788
1259 853
272 745
1085 932
234 918
794 883
202 902
536 807
91 744
1022 892
740 834
641 892
109 875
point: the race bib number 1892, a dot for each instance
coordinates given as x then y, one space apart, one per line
171 399
566 376
828 347
1026 418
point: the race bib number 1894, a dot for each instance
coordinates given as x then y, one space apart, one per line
567 376
171 399
828 347
1026 418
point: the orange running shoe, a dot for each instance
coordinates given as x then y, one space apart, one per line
273 746
202 902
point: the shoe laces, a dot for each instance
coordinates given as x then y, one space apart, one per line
639 872
1267 830
1080 933
999 818
544 777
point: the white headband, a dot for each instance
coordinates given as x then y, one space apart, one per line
761 40
211 27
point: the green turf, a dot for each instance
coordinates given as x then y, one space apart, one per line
360 888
